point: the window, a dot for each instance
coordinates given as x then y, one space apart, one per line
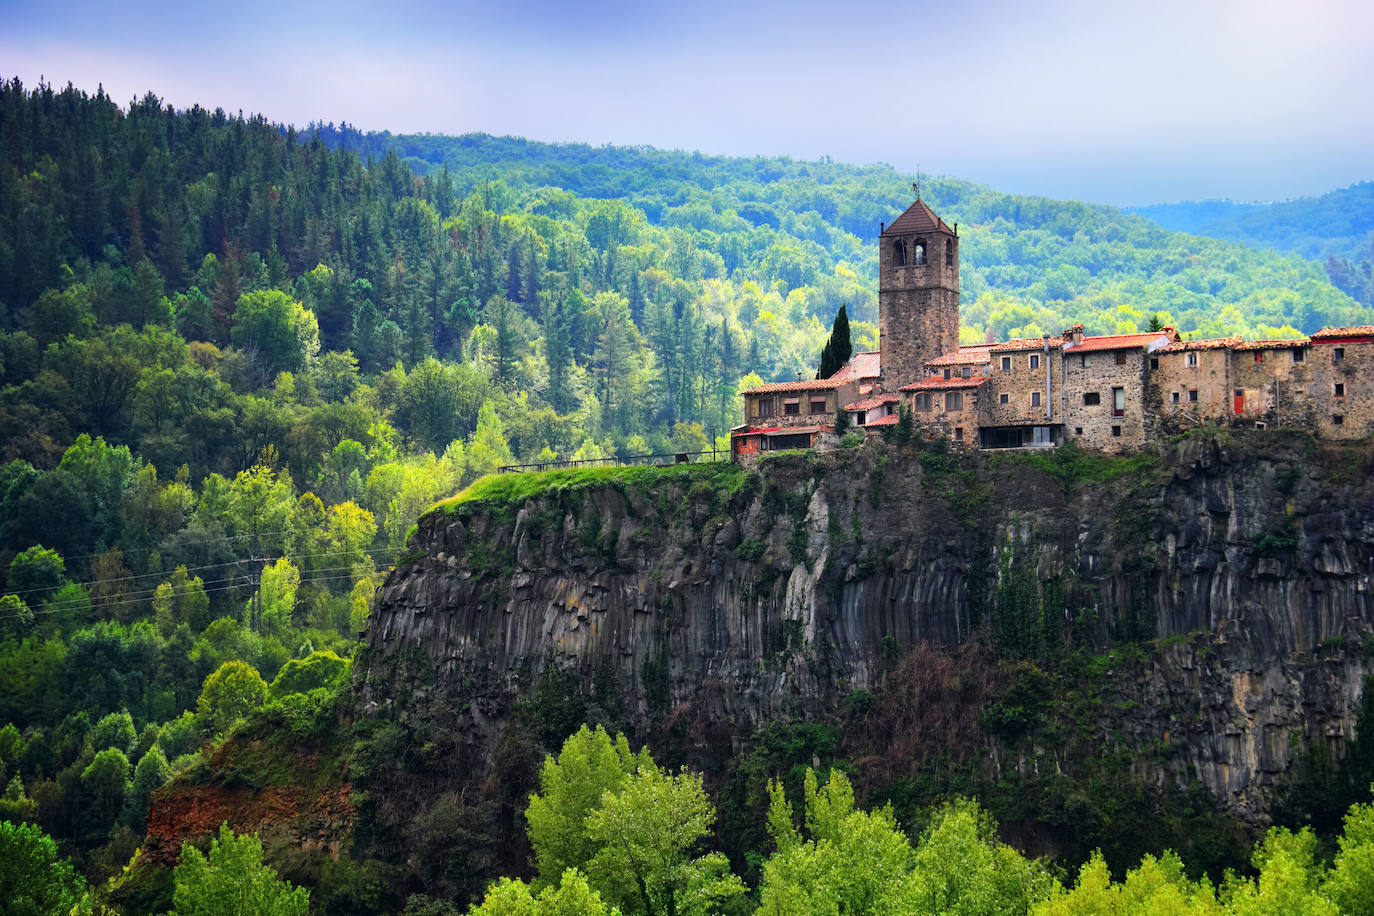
958 434
1192 360
954 401
966 372
1035 360
1116 430
791 406
946 373
920 251
1085 360
1035 399
1338 389
1078 430
921 402
949 253
861 417
1006 364
1174 397
1004 399
1121 357
899 253
1192 395
1338 354
1154 362
765 407
818 405
1118 402
1091 399
1259 356
1298 355
1337 420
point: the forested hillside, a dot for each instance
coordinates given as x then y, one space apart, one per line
1335 229
237 361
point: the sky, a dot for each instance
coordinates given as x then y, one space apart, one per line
1099 100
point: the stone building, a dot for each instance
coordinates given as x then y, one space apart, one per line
1111 393
918 293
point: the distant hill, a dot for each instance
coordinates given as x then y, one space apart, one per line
1339 223
1030 263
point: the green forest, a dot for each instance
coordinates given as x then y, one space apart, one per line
238 360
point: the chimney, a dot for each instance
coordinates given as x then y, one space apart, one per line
1076 332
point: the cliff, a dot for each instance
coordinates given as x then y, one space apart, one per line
706 601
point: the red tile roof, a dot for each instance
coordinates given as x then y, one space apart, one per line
1025 343
917 218
887 397
777 430
935 384
1116 342
1363 330
889 420
862 365
1215 343
964 356
1272 344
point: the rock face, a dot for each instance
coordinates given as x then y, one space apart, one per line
1241 566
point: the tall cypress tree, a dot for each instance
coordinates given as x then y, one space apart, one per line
838 348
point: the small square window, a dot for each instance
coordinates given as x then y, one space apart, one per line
1154 362
959 434
1298 355
1003 398
1091 399
1035 399
1338 389
1192 395
818 405
947 375
1338 354
1078 430
1035 360
1085 360
1192 360
792 408
1006 364
965 372
1116 430
1259 356
1121 358
1174 397
1337 420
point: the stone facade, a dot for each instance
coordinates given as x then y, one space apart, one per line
1190 382
1342 368
1270 382
1022 392
918 293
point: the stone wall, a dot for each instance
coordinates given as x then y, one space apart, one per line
1094 425
1273 389
1010 396
1191 386
914 327
1354 401
958 425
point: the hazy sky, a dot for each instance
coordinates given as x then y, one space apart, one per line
1124 103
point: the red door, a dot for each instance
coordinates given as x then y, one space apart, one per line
1239 403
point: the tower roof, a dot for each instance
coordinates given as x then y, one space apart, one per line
917 218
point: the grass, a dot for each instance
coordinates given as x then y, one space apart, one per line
520 488
1069 464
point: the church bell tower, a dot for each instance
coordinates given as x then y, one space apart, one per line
918 293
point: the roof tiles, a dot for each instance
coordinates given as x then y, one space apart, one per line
1116 342
1363 330
878 400
1271 344
1215 343
938 384
964 356
917 218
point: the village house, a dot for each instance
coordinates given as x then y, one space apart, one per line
1110 393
